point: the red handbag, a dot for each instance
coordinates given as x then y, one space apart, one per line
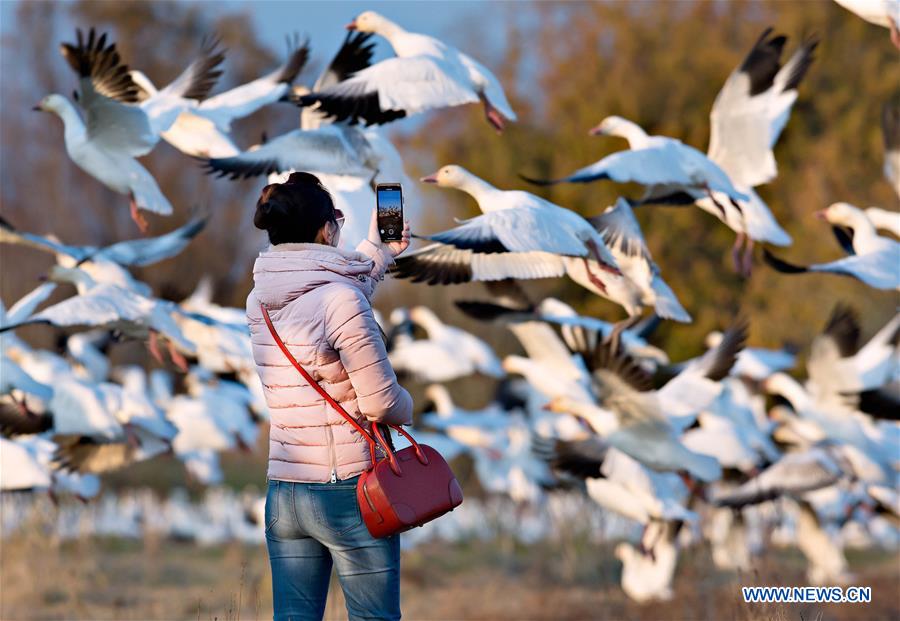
408 487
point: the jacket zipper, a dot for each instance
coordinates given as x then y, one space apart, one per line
331 454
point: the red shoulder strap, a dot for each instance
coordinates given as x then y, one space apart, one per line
315 384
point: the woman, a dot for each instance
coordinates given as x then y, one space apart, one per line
318 298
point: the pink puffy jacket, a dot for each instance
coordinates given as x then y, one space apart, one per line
318 299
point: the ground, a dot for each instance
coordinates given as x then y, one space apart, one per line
94 578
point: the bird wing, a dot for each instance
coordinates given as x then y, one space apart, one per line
355 55
445 264
876 269
247 98
102 305
522 229
752 108
716 363
146 251
324 150
392 89
106 87
10 235
542 344
793 474
200 76
489 84
102 65
620 230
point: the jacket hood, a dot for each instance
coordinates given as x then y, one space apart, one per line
284 272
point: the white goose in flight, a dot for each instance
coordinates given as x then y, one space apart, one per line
746 120
116 130
873 259
204 130
426 74
665 166
519 235
114 308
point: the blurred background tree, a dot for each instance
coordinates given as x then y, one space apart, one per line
565 67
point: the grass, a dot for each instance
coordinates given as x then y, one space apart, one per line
107 578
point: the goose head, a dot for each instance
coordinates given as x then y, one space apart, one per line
611 126
54 103
369 21
450 176
842 214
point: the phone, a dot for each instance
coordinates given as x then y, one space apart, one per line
389 198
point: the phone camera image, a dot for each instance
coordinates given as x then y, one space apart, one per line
390 213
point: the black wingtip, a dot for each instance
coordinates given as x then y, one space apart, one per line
843 327
298 55
733 342
5 225
782 266
484 311
540 182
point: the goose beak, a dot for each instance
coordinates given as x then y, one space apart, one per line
37 108
596 131
432 178
822 215
351 25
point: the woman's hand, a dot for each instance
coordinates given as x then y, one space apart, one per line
394 248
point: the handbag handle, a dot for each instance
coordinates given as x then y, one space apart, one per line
395 466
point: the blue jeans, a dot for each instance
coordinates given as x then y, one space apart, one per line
309 527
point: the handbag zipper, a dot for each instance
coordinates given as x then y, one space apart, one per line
331 455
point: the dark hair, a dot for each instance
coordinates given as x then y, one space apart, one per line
294 211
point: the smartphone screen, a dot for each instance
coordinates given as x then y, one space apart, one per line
390 211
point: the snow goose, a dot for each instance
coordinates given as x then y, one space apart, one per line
873 261
519 235
436 359
746 121
203 130
114 308
836 421
132 252
619 483
666 166
642 284
332 149
448 415
549 368
426 74
838 367
461 342
756 363
648 577
825 557
143 434
511 305
21 469
115 132
354 55
632 417
884 13
353 194
793 475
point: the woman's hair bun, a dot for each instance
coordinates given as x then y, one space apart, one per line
295 210
267 209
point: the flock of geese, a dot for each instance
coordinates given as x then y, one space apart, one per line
690 451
